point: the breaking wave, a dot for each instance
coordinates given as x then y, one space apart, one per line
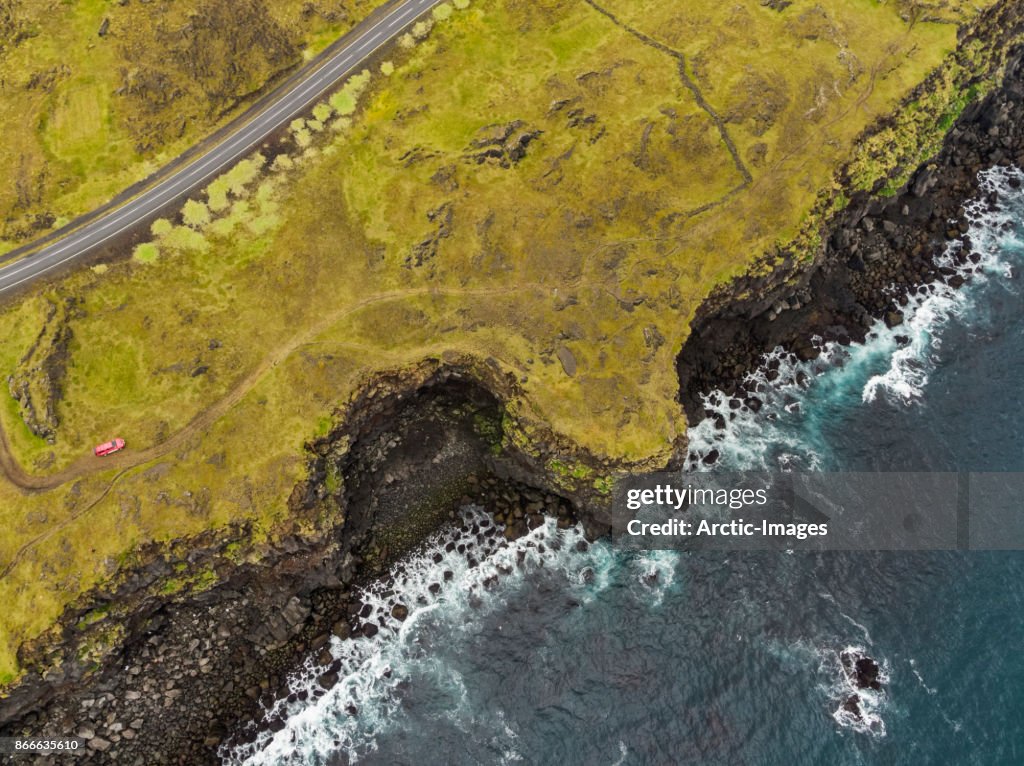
458 578
782 424
857 707
993 231
464 575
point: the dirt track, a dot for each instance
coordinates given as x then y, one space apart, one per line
123 462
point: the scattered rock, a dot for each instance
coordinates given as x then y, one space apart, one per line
568 360
502 144
893 319
100 744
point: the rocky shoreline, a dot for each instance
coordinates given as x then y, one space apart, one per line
878 251
188 669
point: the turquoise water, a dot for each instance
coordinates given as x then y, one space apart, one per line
552 651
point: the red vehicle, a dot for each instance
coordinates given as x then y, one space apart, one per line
109 448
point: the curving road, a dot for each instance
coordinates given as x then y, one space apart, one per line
241 137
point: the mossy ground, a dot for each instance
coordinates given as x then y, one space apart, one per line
84 116
575 265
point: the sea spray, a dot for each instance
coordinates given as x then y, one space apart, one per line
993 232
785 429
455 580
858 706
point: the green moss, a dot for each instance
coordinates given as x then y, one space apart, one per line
319 279
234 552
344 101
94 616
558 468
99 643
323 112
195 214
333 479
173 585
205 580
195 582
160 227
884 162
422 28
234 182
98 113
489 427
565 470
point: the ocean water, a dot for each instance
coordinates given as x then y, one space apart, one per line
550 650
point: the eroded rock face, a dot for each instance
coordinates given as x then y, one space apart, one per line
37 383
425 251
193 667
874 243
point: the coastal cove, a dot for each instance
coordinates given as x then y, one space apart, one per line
602 629
432 456
867 657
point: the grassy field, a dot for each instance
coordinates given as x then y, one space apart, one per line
551 185
84 116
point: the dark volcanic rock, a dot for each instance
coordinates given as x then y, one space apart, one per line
504 145
873 243
194 669
862 670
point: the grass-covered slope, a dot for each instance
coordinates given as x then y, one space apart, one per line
547 187
95 95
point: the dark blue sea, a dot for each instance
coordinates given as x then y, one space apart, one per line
554 652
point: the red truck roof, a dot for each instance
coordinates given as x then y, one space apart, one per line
109 447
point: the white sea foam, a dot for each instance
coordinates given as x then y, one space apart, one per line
920 679
991 233
894 363
870 703
860 626
446 591
740 436
504 741
623 752
655 572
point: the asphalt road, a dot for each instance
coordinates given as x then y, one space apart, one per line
295 96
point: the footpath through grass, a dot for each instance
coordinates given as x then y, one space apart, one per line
549 187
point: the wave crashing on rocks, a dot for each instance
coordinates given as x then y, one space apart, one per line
777 418
458 578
